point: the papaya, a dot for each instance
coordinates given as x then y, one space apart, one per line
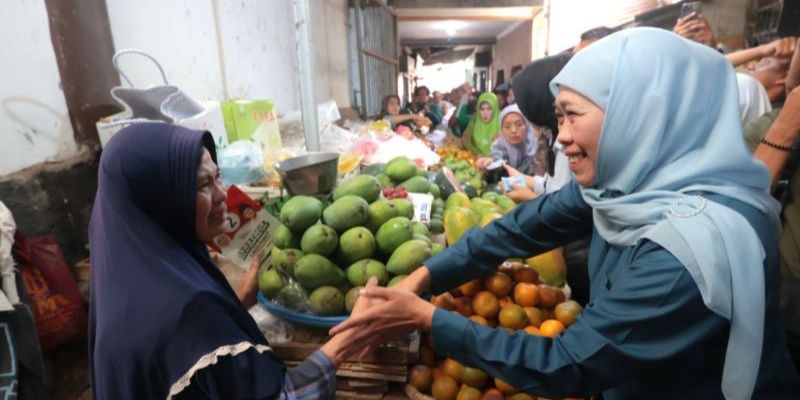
284 238
491 196
457 199
400 169
365 186
356 244
326 300
481 206
379 212
360 271
345 213
551 267
314 270
300 212
392 234
505 202
319 239
489 217
458 221
408 257
417 184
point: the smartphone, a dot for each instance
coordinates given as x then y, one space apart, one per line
691 7
789 24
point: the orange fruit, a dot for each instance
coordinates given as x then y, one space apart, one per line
503 387
492 394
445 388
421 377
567 311
474 377
526 294
526 274
551 328
479 320
560 296
437 373
533 330
452 368
521 396
444 301
464 306
499 284
468 393
471 288
485 305
426 356
513 317
548 313
547 296
535 317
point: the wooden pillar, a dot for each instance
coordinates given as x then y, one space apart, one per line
81 36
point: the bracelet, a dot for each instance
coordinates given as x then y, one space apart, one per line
788 149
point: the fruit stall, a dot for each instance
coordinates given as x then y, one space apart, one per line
338 223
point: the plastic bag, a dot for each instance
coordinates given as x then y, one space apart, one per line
241 163
335 139
57 305
274 329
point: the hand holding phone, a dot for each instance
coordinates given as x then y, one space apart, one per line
692 9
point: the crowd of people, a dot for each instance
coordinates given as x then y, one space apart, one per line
668 168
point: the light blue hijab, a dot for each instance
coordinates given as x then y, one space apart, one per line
672 127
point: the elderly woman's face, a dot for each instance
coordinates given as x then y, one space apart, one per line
210 210
579 125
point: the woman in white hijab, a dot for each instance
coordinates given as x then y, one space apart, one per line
683 260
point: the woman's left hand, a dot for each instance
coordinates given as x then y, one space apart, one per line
248 285
520 193
390 312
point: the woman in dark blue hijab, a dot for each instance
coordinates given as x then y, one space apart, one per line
164 322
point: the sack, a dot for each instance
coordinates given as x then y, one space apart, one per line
162 103
57 305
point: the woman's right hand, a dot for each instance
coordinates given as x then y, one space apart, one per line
483 162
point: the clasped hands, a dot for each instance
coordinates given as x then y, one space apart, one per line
381 314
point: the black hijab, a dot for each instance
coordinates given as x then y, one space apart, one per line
532 90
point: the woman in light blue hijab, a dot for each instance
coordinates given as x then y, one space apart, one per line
683 261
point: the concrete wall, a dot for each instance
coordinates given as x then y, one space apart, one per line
213 49
34 123
569 18
513 49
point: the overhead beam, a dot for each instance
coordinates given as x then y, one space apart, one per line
447 42
457 17
466 3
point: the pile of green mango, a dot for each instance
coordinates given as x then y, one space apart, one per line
327 254
466 174
401 171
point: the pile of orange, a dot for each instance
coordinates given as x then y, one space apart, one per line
512 300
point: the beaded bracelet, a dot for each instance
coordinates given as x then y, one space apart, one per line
789 149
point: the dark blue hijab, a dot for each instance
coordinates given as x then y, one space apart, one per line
158 303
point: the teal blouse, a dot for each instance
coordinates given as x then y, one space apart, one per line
645 332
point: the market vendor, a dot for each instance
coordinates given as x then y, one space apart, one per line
390 111
421 105
484 126
684 258
516 145
164 322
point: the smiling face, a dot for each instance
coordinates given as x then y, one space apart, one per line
210 208
514 128
486 112
580 122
